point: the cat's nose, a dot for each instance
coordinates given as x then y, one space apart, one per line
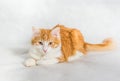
45 50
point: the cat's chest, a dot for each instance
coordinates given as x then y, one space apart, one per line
52 55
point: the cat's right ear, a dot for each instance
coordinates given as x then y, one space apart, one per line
56 32
35 31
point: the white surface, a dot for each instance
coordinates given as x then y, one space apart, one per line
97 19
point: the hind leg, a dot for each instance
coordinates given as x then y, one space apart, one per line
75 56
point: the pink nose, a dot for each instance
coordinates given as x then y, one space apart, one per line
44 50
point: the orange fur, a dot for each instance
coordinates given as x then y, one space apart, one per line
71 41
107 44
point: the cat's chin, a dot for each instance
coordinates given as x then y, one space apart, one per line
45 53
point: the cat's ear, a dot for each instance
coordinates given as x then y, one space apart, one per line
35 31
56 32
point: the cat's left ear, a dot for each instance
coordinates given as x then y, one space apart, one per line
56 32
35 31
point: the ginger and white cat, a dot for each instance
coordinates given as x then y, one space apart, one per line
60 44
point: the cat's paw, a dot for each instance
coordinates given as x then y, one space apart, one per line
30 62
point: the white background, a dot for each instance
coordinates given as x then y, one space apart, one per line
97 20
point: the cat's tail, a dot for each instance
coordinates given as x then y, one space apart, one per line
107 44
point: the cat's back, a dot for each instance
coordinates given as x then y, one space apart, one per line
68 32
71 39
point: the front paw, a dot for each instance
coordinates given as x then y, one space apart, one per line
30 62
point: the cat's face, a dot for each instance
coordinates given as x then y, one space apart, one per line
46 40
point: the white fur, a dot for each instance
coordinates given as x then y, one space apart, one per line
30 62
43 58
49 58
76 56
44 53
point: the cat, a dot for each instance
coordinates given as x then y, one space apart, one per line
60 44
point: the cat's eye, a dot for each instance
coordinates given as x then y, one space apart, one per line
50 43
40 43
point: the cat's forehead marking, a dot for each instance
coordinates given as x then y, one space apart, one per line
45 34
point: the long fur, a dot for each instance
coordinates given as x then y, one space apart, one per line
67 43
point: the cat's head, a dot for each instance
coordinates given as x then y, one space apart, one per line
46 40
